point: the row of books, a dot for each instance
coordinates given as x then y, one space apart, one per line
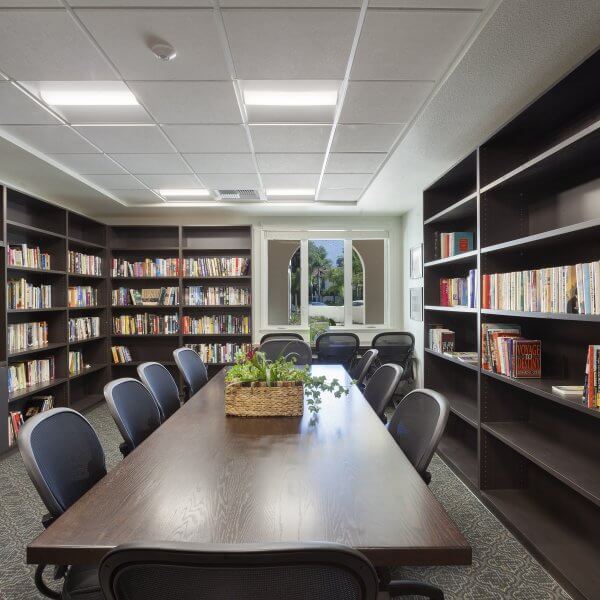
22 375
219 353
164 296
83 328
149 267
20 294
566 289
199 295
84 264
145 324
216 266
82 295
441 339
20 255
591 385
459 291
33 406
451 244
121 355
23 336
237 324
76 364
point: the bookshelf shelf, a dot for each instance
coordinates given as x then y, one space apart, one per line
87 340
83 403
227 306
89 371
78 308
35 310
39 232
35 389
574 468
145 335
169 278
37 349
32 270
528 194
146 307
85 243
452 360
226 277
135 363
83 276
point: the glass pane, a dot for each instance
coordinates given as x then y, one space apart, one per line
284 282
325 285
368 285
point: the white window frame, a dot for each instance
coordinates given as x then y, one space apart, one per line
304 235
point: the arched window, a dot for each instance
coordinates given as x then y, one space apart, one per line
358 288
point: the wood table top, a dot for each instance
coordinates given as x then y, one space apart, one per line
206 478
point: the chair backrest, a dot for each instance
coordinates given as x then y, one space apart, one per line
192 369
418 424
133 408
360 370
298 349
337 348
62 455
381 387
162 386
394 347
172 571
291 335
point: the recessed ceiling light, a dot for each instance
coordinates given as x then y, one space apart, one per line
290 192
88 97
290 98
184 192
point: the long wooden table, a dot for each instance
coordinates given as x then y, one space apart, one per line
204 477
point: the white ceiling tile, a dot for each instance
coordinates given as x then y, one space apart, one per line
383 101
126 36
135 197
221 163
189 101
290 163
290 138
30 3
16 108
290 180
208 138
116 182
103 114
170 181
142 3
224 181
49 139
404 44
147 164
364 138
48 45
88 164
290 44
421 4
291 3
120 139
341 195
354 162
345 180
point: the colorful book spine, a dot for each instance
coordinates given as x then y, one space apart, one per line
216 267
146 324
216 296
83 328
82 295
219 353
24 336
215 324
20 255
459 291
84 264
121 355
20 294
149 267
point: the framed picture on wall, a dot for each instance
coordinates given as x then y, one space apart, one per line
416 262
416 304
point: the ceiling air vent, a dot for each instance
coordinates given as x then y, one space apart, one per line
239 194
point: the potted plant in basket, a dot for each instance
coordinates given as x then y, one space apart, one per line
257 387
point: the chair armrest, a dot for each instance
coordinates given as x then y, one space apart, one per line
414 588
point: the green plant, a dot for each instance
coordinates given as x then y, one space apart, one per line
253 366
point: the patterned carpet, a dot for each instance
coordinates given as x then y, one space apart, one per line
502 569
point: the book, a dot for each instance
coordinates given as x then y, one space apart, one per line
216 267
121 355
459 291
84 264
83 328
525 358
467 357
441 340
219 353
211 324
453 243
20 255
146 324
82 295
20 294
572 392
24 336
148 268
591 386
487 346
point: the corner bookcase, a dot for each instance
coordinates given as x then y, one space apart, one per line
531 196
57 231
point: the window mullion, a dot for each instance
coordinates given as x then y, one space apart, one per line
348 283
304 277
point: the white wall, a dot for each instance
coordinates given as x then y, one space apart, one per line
412 235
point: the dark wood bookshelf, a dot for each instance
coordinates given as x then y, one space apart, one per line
529 195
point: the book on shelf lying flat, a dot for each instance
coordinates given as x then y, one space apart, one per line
466 357
572 392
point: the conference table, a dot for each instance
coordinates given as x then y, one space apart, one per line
203 477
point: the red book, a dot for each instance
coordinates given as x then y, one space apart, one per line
527 358
444 292
485 292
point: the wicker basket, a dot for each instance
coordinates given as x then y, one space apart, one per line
285 399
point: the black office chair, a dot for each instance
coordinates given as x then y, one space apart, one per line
64 459
162 386
417 425
288 348
177 571
381 387
337 348
397 347
192 368
133 409
361 369
280 335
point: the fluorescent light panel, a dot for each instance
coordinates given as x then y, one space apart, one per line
290 192
183 192
76 97
290 98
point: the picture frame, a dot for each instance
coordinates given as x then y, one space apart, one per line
416 262
416 304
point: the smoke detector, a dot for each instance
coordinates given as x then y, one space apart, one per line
164 52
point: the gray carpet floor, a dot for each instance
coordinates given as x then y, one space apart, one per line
502 569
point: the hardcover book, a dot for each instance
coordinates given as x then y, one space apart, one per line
526 358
